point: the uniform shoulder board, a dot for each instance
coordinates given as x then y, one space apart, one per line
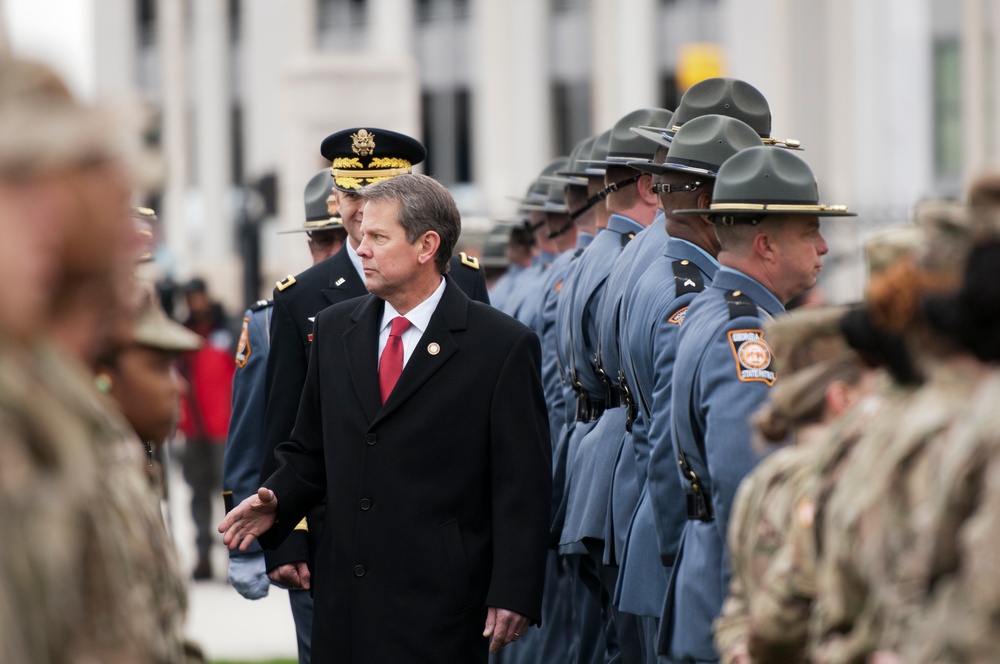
469 261
285 283
740 305
261 304
626 238
687 278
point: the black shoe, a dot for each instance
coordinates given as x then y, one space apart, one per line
203 570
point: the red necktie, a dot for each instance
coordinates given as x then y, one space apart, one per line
391 364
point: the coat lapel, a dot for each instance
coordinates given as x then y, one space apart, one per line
449 316
361 349
344 280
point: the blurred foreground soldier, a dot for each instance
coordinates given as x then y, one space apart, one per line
86 570
955 617
778 611
821 378
766 210
461 475
862 585
359 158
241 467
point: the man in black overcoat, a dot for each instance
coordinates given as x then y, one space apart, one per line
358 157
430 447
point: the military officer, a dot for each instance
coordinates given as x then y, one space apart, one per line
766 211
359 156
651 315
241 465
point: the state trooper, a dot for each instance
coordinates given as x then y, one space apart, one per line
241 464
524 303
652 312
518 250
633 206
766 209
569 216
359 156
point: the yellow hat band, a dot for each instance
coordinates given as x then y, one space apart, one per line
775 207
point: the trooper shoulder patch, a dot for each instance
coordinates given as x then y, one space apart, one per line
753 356
243 347
469 261
559 286
678 316
285 283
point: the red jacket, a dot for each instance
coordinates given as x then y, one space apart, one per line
207 404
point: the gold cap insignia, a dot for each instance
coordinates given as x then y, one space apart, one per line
363 143
433 348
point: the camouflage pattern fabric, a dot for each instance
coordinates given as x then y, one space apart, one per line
87 570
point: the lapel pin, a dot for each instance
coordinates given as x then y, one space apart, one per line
433 348
339 281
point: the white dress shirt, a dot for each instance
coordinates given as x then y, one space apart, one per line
419 317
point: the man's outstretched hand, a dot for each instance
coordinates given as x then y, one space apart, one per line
503 627
249 519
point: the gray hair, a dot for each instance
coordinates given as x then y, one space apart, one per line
424 205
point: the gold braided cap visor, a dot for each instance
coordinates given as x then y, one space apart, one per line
348 172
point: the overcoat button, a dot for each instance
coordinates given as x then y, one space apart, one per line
359 571
370 439
366 504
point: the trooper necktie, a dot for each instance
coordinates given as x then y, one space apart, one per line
391 364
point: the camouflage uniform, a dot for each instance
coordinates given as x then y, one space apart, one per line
87 571
958 619
867 542
778 614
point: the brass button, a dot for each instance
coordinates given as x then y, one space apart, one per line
359 571
737 293
366 504
685 262
370 439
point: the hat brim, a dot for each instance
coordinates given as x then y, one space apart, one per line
660 169
655 134
784 210
334 223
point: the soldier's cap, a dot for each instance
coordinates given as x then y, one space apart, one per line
720 96
762 182
362 156
703 145
948 236
590 165
318 216
885 247
809 351
42 126
984 207
154 329
625 145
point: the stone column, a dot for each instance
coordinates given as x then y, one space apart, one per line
390 26
974 149
511 102
623 43
173 56
213 227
